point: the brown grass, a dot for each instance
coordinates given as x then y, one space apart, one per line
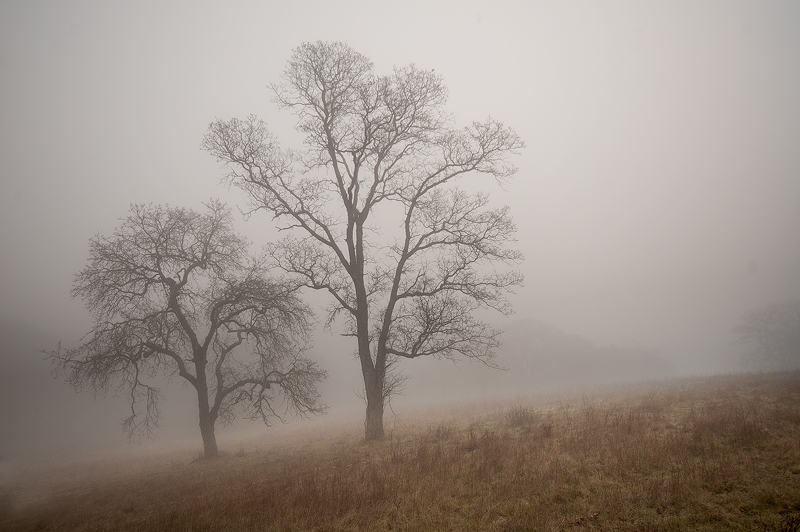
720 453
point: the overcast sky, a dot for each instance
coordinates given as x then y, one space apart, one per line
657 200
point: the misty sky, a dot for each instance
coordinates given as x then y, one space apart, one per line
657 200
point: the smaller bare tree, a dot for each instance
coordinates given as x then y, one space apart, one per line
774 330
175 292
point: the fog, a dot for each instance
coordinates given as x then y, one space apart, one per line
657 200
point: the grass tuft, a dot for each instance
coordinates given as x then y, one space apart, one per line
521 416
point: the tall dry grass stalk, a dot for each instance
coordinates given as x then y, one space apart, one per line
713 454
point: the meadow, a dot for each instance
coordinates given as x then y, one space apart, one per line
714 453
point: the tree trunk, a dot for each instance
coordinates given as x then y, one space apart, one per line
209 438
206 420
374 391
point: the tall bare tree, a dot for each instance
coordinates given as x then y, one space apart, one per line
376 217
774 332
174 292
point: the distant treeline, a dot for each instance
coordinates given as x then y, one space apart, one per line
537 353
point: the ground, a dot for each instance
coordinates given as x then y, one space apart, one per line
717 453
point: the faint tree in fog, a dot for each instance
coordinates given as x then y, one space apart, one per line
774 330
175 292
376 217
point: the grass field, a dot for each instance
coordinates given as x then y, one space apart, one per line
720 453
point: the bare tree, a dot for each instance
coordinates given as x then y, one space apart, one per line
774 330
376 217
174 292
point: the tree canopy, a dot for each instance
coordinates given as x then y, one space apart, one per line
373 210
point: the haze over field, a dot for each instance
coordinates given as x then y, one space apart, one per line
657 200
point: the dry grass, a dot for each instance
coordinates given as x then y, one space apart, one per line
714 454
